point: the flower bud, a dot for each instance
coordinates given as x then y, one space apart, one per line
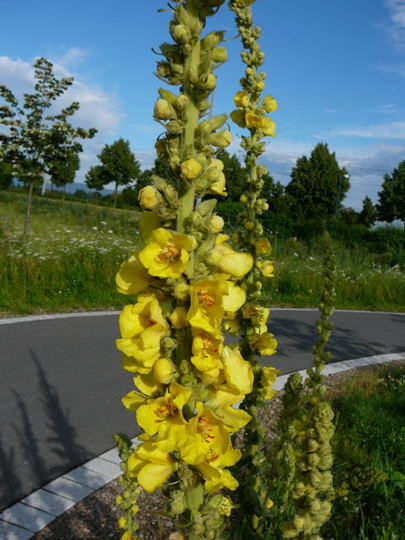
179 318
180 33
259 86
164 370
238 117
220 54
211 40
216 224
268 269
268 127
211 82
190 169
181 291
241 99
298 523
176 536
150 198
269 104
122 523
249 225
221 139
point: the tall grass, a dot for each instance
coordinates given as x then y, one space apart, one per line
75 250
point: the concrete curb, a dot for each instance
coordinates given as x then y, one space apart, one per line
77 314
28 516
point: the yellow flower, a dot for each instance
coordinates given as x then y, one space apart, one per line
164 370
226 506
207 308
252 119
269 504
207 349
270 104
190 169
267 269
164 414
210 299
178 318
269 376
164 110
220 138
216 224
238 117
147 383
263 246
142 326
235 298
241 99
218 186
268 126
132 277
167 253
232 326
259 316
265 344
150 198
230 262
205 436
216 477
238 372
150 465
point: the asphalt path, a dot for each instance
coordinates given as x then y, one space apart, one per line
61 383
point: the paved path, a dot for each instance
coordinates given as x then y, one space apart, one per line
61 382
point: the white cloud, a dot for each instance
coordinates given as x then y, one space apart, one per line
398 69
389 130
366 165
72 57
396 28
97 108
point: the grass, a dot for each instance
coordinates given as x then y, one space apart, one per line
76 248
369 448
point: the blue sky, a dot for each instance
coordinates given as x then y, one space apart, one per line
337 69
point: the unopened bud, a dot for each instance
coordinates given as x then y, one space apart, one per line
150 198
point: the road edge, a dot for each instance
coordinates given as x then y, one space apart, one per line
24 519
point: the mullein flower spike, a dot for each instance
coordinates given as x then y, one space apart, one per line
189 283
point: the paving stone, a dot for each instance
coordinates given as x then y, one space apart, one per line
12 532
87 478
68 488
111 455
30 518
48 502
111 470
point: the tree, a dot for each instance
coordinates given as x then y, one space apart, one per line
118 165
368 214
391 199
35 139
349 216
6 175
318 185
64 172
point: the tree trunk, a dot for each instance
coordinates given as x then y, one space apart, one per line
115 195
27 220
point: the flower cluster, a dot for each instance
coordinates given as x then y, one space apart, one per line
190 285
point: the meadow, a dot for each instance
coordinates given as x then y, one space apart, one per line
75 249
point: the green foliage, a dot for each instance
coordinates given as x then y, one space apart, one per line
6 175
34 141
118 165
368 215
235 175
370 458
318 185
64 172
391 204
